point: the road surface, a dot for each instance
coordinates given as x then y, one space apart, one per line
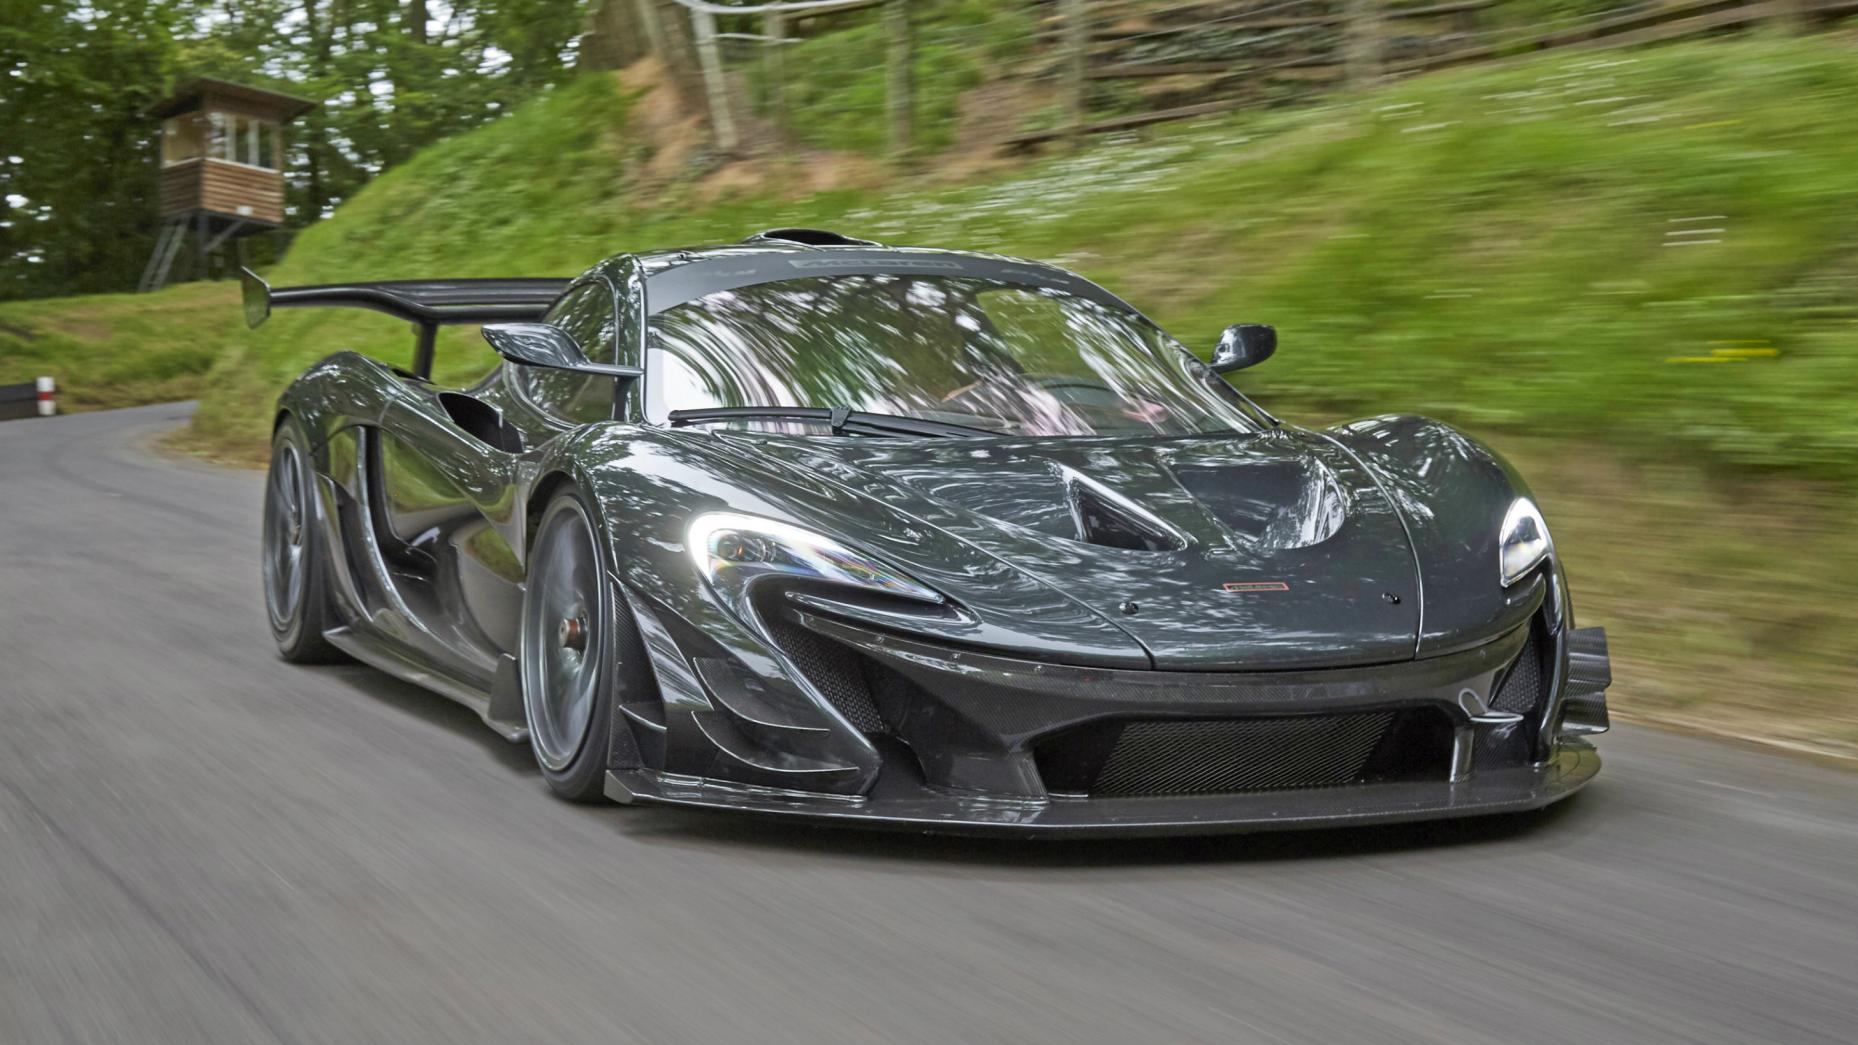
200 843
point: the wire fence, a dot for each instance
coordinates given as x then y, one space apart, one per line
768 72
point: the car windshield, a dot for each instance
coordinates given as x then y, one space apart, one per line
1008 358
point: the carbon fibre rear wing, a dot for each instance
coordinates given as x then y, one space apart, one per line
426 303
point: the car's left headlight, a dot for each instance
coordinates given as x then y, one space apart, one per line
1523 542
733 551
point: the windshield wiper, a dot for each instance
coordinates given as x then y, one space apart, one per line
842 420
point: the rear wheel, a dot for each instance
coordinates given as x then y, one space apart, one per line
566 651
296 595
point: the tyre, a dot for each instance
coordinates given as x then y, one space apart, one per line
295 573
570 630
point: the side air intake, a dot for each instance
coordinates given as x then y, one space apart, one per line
810 238
1522 689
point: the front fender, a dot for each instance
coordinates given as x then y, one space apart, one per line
733 705
1452 492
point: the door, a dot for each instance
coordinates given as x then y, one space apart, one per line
443 506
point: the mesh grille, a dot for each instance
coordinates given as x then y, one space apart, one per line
833 670
1522 691
1205 757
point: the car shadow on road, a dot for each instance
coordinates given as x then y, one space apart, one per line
427 706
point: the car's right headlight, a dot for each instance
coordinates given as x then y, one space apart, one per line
734 551
1523 542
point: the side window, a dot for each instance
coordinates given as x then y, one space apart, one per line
586 312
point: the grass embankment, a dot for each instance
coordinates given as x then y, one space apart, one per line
1634 269
113 350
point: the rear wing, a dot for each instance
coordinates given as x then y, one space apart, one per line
426 303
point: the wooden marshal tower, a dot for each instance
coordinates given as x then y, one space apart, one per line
222 177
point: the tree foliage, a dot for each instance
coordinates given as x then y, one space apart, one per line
77 155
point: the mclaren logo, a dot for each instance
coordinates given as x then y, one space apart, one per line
1248 586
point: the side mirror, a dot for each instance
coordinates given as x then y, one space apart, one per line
255 295
1242 345
542 344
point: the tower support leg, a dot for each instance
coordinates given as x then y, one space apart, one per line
167 244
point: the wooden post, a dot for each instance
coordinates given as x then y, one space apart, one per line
200 244
616 23
774 64
681 63
703 27
654 32
1361 44
899 57
1076 45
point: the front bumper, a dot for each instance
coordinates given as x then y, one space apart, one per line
980 744
901 801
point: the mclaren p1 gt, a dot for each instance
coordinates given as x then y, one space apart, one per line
930 539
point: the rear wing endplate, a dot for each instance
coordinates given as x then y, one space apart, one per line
426 303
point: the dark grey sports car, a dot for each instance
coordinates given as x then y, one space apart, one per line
928 539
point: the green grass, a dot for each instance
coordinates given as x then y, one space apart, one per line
1727 601
114 350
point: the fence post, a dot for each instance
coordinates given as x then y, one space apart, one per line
611 36
681 62
774 63
1362 44
703 27
1076 44
654 33
899 58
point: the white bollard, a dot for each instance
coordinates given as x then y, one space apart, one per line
48 404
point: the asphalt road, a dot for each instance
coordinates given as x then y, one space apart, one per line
200 843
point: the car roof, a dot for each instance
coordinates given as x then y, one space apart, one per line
660 260
679 275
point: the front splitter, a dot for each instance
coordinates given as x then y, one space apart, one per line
900 802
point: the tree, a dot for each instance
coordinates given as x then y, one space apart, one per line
76 166
77 163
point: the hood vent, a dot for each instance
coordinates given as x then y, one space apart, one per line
810 238
1272 504
1105 517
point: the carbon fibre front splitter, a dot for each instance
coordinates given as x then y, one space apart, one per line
900 803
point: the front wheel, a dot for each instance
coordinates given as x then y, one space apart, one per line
566 651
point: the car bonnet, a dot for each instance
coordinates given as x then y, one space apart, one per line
1234 551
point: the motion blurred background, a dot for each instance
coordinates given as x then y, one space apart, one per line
1617 238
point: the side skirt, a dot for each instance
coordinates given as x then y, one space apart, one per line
383 657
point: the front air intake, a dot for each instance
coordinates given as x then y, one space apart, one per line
836 672
1223 756
1522 689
